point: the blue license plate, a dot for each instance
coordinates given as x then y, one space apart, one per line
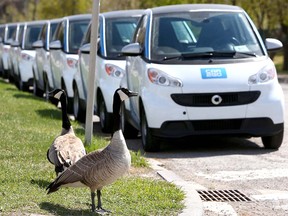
213 73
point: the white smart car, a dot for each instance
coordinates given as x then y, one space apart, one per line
42 82
116 29
202 70
64 52
25 54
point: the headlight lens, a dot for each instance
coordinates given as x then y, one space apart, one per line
114 71
264 75
160 78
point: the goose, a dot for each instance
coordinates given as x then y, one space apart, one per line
66 148
101 167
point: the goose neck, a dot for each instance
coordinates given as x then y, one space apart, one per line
65 119
116 112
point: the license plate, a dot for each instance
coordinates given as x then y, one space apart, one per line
213 73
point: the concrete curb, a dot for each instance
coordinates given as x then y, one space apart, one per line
193 203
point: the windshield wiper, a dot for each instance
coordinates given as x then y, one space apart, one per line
209 54
217 54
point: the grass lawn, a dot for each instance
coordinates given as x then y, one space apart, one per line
28 126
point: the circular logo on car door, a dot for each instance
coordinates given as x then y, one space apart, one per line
216 99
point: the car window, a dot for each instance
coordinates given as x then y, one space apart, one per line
59 33
197 31
76 31
11 31
31 35
53 27
140 34
119 32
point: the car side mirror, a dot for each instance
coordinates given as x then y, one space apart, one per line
133 49
85 48
15 44
38 44
55 45
273 44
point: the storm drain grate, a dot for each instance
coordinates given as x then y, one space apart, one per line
223 196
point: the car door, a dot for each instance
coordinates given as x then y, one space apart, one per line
135 65
56 54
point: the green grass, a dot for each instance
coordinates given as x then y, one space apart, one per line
28 125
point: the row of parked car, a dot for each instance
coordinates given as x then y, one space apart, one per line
199 69
55 53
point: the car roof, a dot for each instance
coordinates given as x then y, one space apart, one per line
189 7
36 22
78 17
122 13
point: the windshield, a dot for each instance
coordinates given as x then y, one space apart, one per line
32 34
119 32
77 30
203 35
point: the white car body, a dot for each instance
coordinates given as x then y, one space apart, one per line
6 37
25 54
42 82
64 52
13 50
204 89
116 29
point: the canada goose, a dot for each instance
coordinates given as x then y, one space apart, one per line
67 148
101 167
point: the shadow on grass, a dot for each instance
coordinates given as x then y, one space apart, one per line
28 96
57 209
49 113
11 89
40 182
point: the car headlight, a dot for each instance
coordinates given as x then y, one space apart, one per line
264 75
114 71
27 57
71 62
160 78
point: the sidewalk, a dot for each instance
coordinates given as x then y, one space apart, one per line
193 203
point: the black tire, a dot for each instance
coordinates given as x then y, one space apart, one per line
46 89
37 91
22 85
78 111
273 142
128 130
105 117
149 142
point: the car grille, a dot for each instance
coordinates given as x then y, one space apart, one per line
205 99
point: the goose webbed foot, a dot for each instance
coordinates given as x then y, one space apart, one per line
101 211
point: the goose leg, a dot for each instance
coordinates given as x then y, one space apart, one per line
93 201
99 210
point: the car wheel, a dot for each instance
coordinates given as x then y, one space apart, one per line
273 142
22 85
149 142
129 131
105 117
36 91
79 113
46 89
